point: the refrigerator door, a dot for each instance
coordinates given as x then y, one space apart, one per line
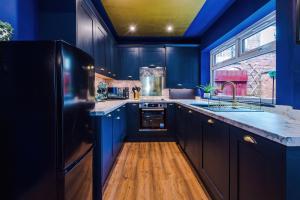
78 181
77 97
28 119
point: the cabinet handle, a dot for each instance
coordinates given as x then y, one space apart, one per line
102 69
171 104
123 106
179 84
109 115
114 75
179 107
118 118
210 121
118 110
249 139
129 76
134 104
190 112
109 72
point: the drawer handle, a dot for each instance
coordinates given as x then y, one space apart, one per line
118 110
134 104
109 115
118 118
210 121
179 107
129 76
190 112
249 139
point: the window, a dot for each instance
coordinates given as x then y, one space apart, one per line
226 54
248 60
264 37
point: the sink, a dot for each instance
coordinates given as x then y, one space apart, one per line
226 108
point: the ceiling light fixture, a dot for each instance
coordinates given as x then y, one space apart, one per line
169 28
132 28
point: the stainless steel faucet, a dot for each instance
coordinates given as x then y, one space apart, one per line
233 90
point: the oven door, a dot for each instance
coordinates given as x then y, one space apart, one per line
153 119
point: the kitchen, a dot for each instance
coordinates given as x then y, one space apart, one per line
150 100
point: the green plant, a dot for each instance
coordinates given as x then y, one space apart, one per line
207 88
6 31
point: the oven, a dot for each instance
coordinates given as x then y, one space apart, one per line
153 116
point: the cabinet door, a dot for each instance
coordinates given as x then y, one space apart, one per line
109 55
117 135
181 125
256 167
106 146
129 64
99 49
215 162
193 147
123 123
182 67
152 56
171 119
133 122
84 29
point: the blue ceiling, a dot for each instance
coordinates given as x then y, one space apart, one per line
211 11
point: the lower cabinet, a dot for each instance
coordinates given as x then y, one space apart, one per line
256 167
193 144
111 132
133 122
215 161
180 125
103 152
171 111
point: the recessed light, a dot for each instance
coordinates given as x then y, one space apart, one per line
132 28
169 28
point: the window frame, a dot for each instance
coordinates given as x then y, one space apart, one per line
237 40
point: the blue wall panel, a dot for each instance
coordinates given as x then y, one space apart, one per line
22 16
8 13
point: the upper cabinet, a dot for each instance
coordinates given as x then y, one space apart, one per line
85 35
129 63
93 38
100 48
183 65
153 56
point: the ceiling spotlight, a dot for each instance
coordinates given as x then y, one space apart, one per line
132 28
169 28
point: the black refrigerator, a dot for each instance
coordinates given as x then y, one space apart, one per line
46 94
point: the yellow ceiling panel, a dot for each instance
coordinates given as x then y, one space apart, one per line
151 17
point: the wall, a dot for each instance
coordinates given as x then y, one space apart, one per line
22 15
288 55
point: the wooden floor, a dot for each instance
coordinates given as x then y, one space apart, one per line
153 171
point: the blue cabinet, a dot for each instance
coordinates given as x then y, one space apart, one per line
181 119
183 65
171 117
154 56
193 146
119 129
99 48
129 63
215 161
133 122
256 166
106 145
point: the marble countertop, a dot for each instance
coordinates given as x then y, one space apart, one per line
276 127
